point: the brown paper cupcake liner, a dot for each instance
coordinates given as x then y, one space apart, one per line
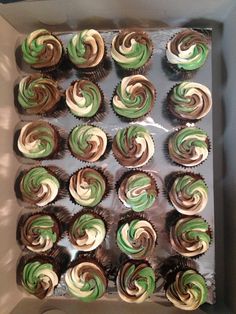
168 157
172 218
98 212
103 157
58 153
129 173
126 119
108 180
61 176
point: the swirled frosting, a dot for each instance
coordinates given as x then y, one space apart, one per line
39 279
188 50
135 282
190 236
134 97
87 232
39 232
39 187
133 146
38 94
86 49
86 281
136 238
189 194
41 49
188 291
190 101
131 49
37 140
87 187
84 98
88 143
137 191
189 146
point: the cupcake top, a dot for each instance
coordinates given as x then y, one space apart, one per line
87 231
187 50
188 290
37 140
38 94
84 98
41 49
189 146
190 101
87 187
137 191
190 236
134 97
88 142
133 146
86 281
131 49
86 49
189 194
135 281
39 186
39 232
136 238
39 278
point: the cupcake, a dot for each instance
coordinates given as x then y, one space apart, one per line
133 146
88 143
136 238
189 101
134 97
187 290
39 232
86 49
39 275
87 187
137 190
38 94
39 186
84 98
42 50
87 230
187 50
86 280
189 146
188 193
135 281
131 50
38 140
190 236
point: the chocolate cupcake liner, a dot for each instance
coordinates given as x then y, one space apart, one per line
57 154
98 212
170 178
108 180
167 155
171 220
103 157
61 176
128 173
126 119
102 110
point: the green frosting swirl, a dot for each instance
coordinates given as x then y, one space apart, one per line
188 291
39 279
138 191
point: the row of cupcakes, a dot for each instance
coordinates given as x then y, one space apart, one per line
130 49
86 278
132 146
133 98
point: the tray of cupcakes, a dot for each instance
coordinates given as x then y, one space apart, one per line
115 189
